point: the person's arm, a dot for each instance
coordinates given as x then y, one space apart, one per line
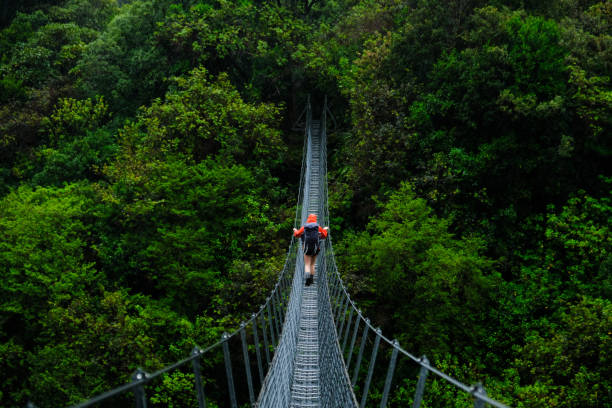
323 232
298 233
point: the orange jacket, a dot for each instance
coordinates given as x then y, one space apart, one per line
311 218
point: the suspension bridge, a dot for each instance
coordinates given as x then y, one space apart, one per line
307 346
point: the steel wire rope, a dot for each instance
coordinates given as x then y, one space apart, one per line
469 389
147 377
472 390
418 360
274 294
150 376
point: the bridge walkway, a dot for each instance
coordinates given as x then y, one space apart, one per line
305 392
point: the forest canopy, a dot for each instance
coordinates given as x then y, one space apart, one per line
149 173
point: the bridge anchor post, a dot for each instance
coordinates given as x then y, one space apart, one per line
418 395
139 377
247 363
228 370
478 389
366 386
390 371
198 377
257 349
364 336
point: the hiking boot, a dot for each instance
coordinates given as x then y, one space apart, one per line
309 280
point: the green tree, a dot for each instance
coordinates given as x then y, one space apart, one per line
124 63
44 257
38 53
79 146
421 276
255 44
193 177
568 364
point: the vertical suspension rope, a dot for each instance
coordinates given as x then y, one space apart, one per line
139 392
364 336
350 353
198 378
247 363
228 371
348 329
418 395
366 386
265 338
257 349
389 379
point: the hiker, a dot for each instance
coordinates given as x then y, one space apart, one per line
311 234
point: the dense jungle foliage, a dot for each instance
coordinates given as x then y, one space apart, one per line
148 177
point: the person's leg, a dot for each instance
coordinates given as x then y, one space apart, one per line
309 268
307 263
313 261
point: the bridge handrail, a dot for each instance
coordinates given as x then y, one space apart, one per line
140 378
473 390
196 353
145 378
477 391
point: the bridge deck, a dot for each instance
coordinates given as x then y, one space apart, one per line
305 388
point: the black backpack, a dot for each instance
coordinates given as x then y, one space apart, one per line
311 238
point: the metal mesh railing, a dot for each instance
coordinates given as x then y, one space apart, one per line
252 344
336 390
359 344
263 344
276 389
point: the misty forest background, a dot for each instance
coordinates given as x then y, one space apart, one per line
148 178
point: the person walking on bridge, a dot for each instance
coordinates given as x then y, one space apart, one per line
311 234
